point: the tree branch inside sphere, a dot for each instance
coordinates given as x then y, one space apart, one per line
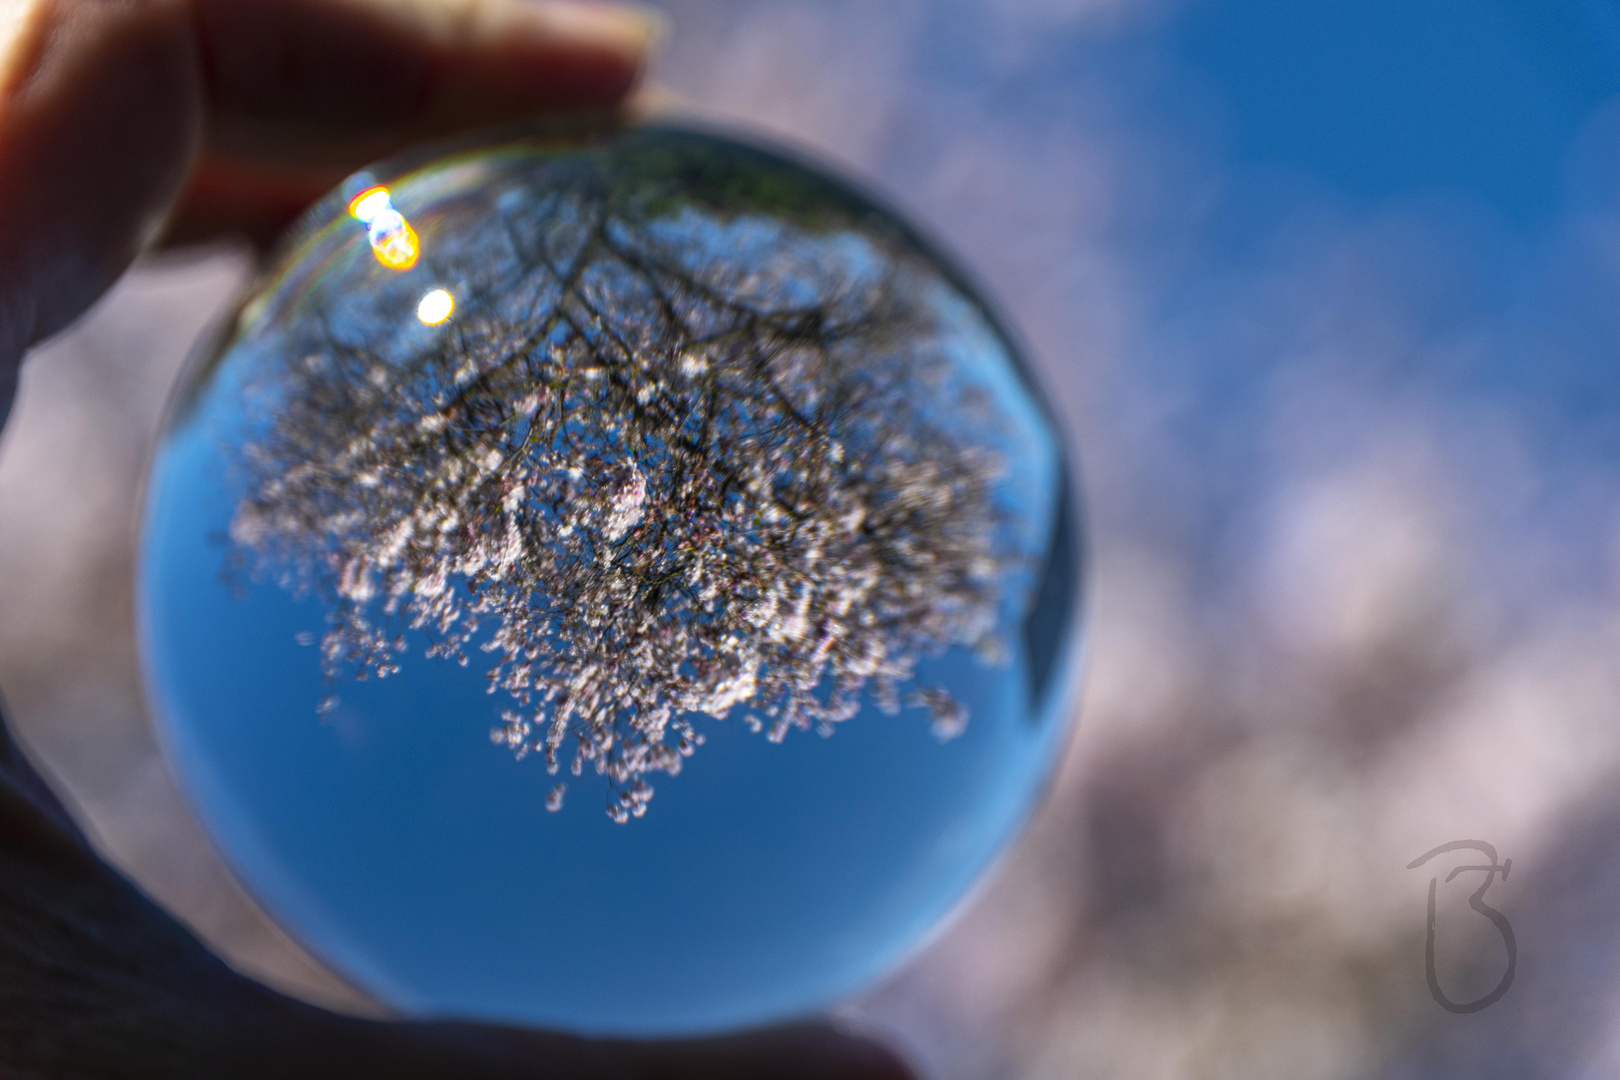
666 459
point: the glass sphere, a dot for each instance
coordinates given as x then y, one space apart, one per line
543 473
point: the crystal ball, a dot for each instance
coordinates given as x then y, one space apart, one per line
617 580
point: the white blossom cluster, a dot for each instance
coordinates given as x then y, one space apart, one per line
657 466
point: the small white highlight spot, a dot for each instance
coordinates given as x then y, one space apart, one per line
435 307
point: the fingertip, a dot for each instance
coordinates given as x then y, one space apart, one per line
870 1058
809 1051
549 54
100 119
631 29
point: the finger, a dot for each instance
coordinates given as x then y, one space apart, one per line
100 117
283 1038
106 107
302 92
335 81
256 198
798 1052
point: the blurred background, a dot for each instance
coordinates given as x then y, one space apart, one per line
1326 296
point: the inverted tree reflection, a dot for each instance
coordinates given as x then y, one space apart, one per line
666 459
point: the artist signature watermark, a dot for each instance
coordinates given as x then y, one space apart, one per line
1477 902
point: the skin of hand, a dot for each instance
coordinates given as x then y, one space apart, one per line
124 123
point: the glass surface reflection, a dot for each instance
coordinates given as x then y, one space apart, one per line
658 458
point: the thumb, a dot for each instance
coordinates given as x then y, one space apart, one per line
100 120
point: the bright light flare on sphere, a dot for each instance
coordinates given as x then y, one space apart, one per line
392 239
435 307
725 483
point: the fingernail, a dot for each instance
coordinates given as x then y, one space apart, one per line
631 27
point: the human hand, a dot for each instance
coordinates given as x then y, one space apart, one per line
124 123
